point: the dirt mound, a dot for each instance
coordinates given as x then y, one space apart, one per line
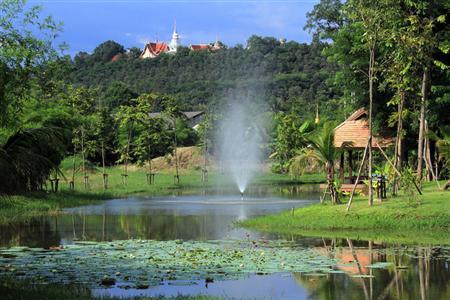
188 158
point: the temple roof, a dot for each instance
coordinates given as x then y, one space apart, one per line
199 47
211 47
156 48
354 132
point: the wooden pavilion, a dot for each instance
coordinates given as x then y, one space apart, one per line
352 135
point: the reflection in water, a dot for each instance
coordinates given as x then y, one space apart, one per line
187 216
38 232
364 270
413 273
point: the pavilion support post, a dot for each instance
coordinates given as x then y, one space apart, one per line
341 168
350 165
357 177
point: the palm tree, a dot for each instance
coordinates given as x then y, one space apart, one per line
29 157
321 150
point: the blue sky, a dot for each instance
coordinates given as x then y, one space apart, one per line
133 22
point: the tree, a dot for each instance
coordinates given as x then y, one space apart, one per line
104 136
31 147
370 17
205 134
29 157
443 145
134 52
116 94
325 19
171 112
290 137
106 51
21 55
321 150
421 24
86 132
126 121
286 71
399 76
153 136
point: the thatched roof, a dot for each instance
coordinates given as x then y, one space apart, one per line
354 132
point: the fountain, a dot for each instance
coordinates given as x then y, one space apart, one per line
239 145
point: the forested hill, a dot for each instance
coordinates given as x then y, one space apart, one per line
286 72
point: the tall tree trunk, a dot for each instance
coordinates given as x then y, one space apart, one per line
398 140
426 156
177 176
149 160
341 168
431 175
370 159
127 153
205 160
331 186
105 176
83 157
330 182
72 183
82 152
420 142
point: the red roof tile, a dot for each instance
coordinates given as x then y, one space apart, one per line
156 48
199 47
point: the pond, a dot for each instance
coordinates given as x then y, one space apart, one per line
186 243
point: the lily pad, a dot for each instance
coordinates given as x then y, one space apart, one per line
148 262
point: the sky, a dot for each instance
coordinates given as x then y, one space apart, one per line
132 23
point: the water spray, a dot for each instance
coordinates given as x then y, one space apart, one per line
239 144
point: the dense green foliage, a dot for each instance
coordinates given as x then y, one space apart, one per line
30 149
101 99
289 73
407 40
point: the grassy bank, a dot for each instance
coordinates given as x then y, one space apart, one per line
22 207
393 220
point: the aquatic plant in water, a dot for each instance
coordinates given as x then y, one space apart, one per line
144 263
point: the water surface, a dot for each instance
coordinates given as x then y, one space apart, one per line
410 272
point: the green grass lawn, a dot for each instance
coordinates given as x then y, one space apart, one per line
21 207
393 220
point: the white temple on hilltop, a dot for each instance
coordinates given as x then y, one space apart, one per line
175 41
154 49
